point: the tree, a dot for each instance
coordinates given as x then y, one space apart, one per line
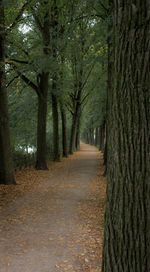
55 34
41 24
83 60
127 233
64 129
6 165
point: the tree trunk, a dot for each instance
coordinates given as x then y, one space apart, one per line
64 131
127 219
78 133
43 90
110 63
102 137
78 80
75 129
6 164
41 126
73 134
56 153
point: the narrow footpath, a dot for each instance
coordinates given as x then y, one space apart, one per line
58 226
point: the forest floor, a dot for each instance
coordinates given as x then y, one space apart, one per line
53 221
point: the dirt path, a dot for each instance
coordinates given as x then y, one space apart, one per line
57 227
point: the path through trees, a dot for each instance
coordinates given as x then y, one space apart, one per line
58 226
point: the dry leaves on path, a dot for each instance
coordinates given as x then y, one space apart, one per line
92 221
28 180
83 242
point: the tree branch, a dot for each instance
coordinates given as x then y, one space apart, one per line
39 25
11 81
84 98
88 75
28 82
25 79
102 5
92 15
17 19
18 61
69 109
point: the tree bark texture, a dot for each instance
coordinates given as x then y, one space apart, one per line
6 164
64 131
78 132
126 245
56 152
75 121
41 126
102 136
73 134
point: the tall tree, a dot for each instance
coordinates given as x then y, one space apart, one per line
6 165
127 220
44 28
79 82
41 24
55 33
64 129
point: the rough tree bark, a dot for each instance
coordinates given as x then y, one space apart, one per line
127 219
102 137
41 125
55 33
78 132
56 153
64 130
6 164
75 118
72 147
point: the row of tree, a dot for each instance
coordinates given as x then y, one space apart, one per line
50 55
59 51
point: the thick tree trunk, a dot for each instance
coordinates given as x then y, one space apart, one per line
64 131
75 129
102 137
78 133
127 219
55 33
72 147
41 126
43 90
56 152
6 164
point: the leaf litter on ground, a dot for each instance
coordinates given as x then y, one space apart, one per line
90 212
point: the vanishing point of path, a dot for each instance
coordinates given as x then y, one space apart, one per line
58 226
